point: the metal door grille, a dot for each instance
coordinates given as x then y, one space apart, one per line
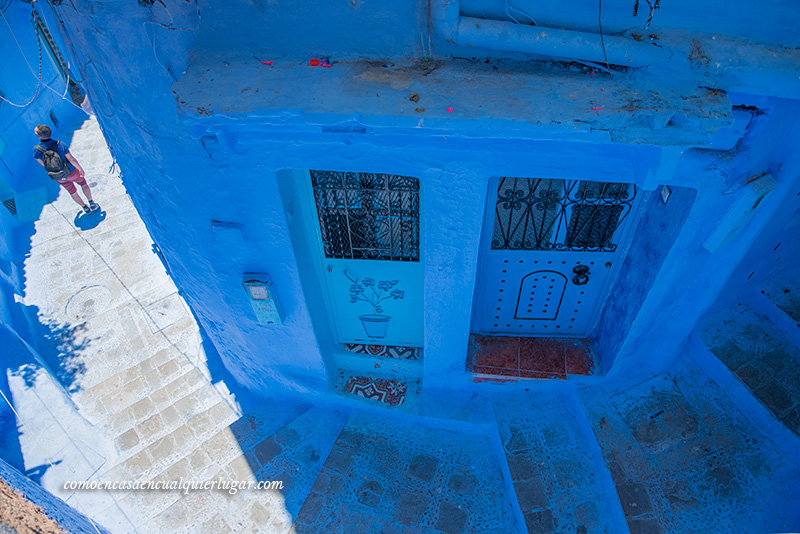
561 215
367 215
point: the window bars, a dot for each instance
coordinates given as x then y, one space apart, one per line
559 215
367 215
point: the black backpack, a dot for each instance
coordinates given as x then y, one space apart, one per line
56 166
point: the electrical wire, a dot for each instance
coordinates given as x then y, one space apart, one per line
508 6
653 6
38 78
600 22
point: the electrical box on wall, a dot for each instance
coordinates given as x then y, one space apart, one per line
740 212
261 294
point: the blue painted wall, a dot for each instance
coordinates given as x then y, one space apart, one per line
657 229
770 21
30 98
209 132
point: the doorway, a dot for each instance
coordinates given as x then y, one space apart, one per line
367 236
550 250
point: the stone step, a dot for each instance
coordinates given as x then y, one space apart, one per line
177 386
217 455
388 474
167 443
558 475
685 459
130 384
761 356
783 291
144 424
194 450
293 456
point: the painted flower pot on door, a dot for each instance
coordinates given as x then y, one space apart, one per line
375 325
374 293
367 229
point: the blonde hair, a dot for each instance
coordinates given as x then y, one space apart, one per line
43 130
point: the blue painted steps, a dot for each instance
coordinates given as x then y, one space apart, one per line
684 458
400 477
294 455
761 355
560 482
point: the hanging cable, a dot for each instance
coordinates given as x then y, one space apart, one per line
600 23
508 7
653 6
38 78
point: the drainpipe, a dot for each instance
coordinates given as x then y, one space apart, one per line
565 44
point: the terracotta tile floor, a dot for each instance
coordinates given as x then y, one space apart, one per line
530 357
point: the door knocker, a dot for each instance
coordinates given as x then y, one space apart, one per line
581 275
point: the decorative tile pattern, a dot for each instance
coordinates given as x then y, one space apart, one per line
557 481
530 357
385 351
684 459
392 392
761 356
400 477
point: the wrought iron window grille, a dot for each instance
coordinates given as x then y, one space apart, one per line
559 215
367 215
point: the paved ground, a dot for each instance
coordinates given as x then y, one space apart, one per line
395 477
133 399
559 479
127 350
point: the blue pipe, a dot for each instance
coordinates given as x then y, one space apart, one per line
565 44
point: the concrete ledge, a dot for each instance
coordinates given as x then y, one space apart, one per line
478 99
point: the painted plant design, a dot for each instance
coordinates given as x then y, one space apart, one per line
368 290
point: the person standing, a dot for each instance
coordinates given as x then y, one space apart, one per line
62 167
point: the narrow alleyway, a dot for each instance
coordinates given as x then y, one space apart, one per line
135 393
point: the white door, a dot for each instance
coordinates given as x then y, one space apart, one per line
550 251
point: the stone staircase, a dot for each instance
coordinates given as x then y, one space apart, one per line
764 356
673 454
555 465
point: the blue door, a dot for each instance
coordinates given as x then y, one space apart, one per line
368 236
549 253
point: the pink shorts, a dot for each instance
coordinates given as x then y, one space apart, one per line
73 178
